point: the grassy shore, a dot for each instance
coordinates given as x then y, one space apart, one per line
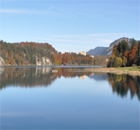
135 71
130 68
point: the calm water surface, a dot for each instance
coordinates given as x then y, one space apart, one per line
39 98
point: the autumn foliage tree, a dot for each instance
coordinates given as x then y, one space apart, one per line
27 53
123 55
138 53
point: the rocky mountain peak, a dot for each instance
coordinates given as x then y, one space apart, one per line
107 51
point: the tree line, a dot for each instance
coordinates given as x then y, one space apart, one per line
25 53
78 59
125 55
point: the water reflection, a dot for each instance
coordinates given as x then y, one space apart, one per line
44 76
33 77
121 84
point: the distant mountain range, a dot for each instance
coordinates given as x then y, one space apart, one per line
107 51
97 51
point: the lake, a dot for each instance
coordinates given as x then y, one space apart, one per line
66 98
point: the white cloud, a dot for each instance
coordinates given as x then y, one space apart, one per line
16 11
95 38
67 40
89 35
50 10
23 11
80 42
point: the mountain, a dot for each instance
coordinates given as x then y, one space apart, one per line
97 51
107 51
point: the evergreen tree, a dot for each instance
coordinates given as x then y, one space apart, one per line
117 54
123 46
120 48
133 44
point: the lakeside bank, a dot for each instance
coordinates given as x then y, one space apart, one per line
134 71
122 70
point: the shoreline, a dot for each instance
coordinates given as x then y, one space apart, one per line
63 66
98 69
113 70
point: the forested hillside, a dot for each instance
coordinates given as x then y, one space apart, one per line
125 55
25 53
29 53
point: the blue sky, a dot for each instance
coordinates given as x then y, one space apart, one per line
69 25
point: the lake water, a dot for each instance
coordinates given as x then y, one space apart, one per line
39 98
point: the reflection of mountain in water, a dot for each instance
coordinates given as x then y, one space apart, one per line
99 77
121 84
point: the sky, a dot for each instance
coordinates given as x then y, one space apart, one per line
69 25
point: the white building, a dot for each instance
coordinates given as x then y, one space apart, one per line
83 53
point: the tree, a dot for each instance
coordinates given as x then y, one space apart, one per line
115 51
124 61
133 44
111 61
122 47
132 56
138 53
117 62
64 59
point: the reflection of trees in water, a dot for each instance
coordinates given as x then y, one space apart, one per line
122 83
1 70
43 76
25 77
31 77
